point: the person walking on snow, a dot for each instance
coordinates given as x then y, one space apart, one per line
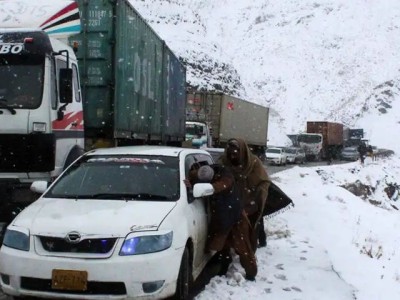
252 181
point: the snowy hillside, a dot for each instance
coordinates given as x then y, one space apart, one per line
308 60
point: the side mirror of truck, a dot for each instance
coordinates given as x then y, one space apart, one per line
65 86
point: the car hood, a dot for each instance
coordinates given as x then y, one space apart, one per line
92 217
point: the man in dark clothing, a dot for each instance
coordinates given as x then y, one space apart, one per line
362 150
253 183
229 225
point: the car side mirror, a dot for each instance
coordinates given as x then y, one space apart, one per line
202 190
39 187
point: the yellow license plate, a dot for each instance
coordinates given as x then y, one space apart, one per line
69 280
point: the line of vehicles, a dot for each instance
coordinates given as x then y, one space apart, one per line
77 77
94 74
322 140
325 140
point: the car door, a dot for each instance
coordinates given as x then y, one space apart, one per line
199 212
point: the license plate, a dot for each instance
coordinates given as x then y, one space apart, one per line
69 280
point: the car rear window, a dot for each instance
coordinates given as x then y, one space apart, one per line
146 178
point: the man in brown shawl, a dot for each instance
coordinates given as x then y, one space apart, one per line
229 224
252 181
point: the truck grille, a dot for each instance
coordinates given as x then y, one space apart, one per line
27 152
93 287
93 246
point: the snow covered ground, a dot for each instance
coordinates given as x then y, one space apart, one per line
332 245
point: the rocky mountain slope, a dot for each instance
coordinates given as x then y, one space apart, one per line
308 60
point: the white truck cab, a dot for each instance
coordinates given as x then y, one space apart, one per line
41 118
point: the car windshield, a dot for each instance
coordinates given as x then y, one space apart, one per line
291 151
309 138
144 178
274 151
192 129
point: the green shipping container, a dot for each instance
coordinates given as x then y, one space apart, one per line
133 86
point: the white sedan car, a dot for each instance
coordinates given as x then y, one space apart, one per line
119 223
276 156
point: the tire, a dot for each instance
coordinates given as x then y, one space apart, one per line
184 278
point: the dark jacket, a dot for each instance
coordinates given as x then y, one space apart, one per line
225 204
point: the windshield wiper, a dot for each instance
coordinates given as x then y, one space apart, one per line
127 196
3 104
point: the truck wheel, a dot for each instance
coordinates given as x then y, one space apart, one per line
184 277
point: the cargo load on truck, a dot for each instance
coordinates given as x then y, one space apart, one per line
229 117
322 140
133 86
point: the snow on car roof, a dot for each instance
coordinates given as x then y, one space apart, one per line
145 150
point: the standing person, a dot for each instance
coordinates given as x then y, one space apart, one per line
229 225
362 150
252 181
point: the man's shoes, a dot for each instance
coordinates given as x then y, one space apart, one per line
250 278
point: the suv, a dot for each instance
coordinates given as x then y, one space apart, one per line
122 208
276 156
295 155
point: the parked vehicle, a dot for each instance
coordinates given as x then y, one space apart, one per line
323 140
276 156
295 155
40 100
225 117
118 223
350 153
130 89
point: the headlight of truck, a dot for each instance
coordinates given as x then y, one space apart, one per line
146 244
17 239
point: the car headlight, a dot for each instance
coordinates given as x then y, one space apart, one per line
146 244
17 239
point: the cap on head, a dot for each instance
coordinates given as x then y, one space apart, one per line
205 173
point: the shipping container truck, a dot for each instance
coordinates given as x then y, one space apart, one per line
322 140
77 75
226 117
133 86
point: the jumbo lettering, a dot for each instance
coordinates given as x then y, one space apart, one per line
11 48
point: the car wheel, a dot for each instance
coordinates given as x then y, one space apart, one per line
184 277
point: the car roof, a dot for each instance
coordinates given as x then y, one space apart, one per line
220 150
145 150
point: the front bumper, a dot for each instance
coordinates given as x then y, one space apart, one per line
117 277
290 159
275 161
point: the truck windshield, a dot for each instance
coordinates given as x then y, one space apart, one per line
129 178
309 138
194 130
21 83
